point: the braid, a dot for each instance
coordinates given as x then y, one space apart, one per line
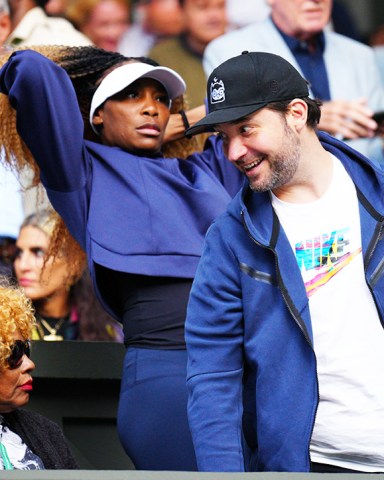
86 67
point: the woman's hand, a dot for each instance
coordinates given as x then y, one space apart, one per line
176 127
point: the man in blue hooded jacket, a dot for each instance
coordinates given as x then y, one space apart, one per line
285 321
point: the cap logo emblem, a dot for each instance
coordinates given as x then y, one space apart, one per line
274 86
217 91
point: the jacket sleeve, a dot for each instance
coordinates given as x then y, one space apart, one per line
50 123
214 158
214 337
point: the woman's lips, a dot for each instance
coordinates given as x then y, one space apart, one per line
151 129
25 282
27 386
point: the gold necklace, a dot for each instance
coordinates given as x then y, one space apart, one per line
52 330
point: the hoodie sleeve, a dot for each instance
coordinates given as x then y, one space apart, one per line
214 337
50 123
215 160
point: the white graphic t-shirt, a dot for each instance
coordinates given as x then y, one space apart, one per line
14 451
348 336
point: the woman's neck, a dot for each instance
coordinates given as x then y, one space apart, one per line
55 306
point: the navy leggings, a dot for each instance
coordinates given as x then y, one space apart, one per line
152 417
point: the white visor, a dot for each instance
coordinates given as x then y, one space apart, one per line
123 76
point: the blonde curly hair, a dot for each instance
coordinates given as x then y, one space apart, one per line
16 313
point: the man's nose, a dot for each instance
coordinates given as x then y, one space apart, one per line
236 149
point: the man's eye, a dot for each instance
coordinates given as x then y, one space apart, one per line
245 129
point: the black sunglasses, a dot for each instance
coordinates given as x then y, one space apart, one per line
18 350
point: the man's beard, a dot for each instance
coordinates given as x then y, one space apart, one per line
283 165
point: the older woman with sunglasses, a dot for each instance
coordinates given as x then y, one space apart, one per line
28 441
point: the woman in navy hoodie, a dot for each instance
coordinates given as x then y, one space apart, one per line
140 216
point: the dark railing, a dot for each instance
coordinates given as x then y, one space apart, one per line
76 384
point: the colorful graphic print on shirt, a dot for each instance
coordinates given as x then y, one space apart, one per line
322 257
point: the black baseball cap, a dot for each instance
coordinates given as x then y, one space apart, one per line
246 83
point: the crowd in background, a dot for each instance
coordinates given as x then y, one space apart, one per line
190 37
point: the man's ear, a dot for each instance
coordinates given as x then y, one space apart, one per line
298 113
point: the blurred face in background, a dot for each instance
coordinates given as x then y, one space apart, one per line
301 18
106 23
55 8
162 17
38 283
204 20
5 26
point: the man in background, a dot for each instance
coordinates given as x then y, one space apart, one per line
153 20
202 23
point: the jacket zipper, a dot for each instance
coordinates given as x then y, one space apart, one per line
377 273
294 316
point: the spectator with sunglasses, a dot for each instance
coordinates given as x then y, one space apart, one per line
28 441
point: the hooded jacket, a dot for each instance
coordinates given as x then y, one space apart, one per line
251 361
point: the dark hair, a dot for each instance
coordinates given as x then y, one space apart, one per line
314 111
94 322
86 67
41 3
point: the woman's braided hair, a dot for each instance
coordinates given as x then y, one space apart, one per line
86 67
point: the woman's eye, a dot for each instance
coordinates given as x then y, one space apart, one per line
131 95
163 99
38 252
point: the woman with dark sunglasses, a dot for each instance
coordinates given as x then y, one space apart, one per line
28 441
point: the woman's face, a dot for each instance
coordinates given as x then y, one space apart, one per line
38 283
16 383
135 118
106 24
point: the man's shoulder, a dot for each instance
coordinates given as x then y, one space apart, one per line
342 41
38 28
260 36
166 48
62 28
240 36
